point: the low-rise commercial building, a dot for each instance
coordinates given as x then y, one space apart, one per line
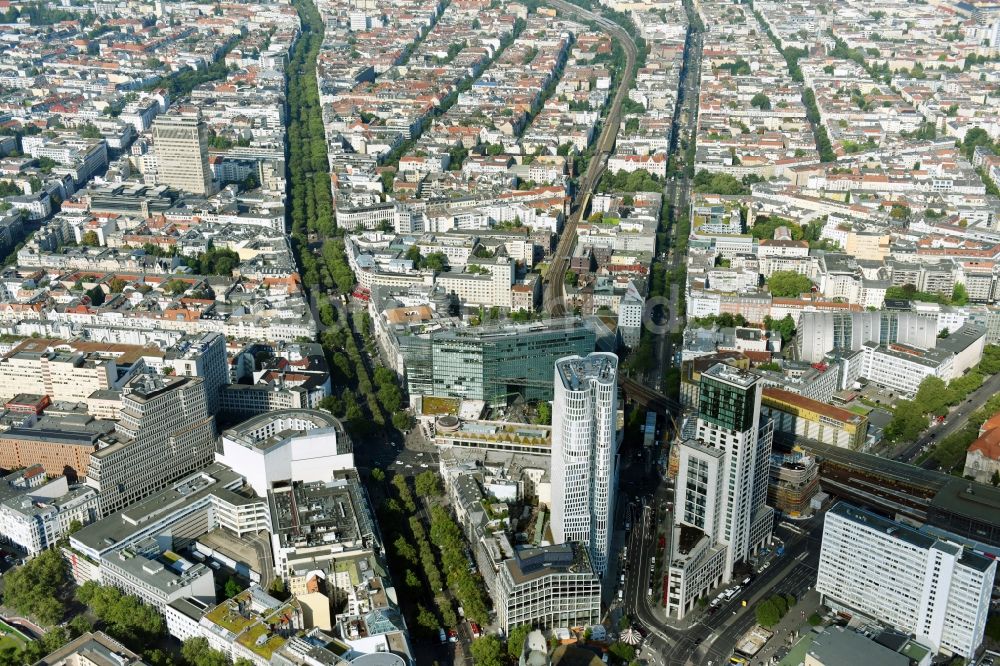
793 483
550 586
190 507
798 416
92 648
252 625
290 445
316 524
837 645
157 576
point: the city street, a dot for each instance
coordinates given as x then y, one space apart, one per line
955 421
702 636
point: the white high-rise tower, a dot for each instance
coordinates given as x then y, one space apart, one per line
584 452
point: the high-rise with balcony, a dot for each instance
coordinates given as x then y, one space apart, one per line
935 589
721 516
164 432
585 452
729 421
181 143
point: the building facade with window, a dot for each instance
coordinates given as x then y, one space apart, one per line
721 515
585 436
550 586
934 589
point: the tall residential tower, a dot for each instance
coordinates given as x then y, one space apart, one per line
584 452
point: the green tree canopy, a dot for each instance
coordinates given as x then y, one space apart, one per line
436 261
718 183
767 614
89 131
515 640
197 652
761 101
788 284
96 296
487 651
622 652
544 413
232 588
401 420
785 327
975 137
959 295
428 484
933 395
990 363
39 588
216 261
639 180
764 228
908 421
126 617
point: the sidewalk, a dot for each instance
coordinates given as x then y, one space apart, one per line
791 627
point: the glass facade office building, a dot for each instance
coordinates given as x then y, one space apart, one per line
493 363
726 405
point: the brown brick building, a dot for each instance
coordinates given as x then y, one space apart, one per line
62 444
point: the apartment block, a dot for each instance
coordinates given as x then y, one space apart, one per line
934 589
70 370
35 512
